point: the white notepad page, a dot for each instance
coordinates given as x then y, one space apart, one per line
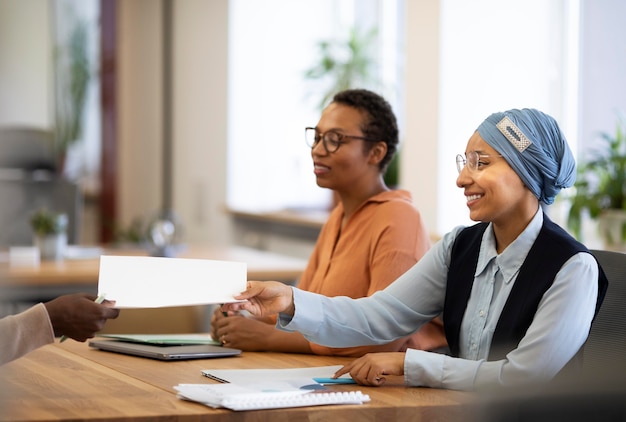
269 394
153 282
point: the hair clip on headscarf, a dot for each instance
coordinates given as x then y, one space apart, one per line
513 134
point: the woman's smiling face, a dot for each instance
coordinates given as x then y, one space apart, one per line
494 192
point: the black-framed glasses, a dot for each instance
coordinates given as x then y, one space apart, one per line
472 162
331 139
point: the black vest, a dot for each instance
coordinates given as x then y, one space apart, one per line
552 248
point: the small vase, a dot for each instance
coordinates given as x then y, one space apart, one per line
612 227
52 246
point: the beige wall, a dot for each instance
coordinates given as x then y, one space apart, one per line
419 157
199 114
139 109
200 118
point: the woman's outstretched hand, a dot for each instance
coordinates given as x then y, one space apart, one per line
264 298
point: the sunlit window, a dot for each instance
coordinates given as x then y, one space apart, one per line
488 65
76 61
272 44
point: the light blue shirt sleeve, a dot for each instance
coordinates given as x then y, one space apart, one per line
559 329
402 308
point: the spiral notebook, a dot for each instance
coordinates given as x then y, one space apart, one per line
267 395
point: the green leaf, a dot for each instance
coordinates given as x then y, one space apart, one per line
601 179
344 64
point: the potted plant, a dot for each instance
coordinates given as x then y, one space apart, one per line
132 235
600 190
344 64
50 233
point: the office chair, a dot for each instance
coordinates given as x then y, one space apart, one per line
599 393
605 349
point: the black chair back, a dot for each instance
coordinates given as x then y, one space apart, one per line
605 349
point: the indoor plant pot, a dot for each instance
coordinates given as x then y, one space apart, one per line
50 233
612 228
600 190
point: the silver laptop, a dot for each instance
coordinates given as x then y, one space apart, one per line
192 351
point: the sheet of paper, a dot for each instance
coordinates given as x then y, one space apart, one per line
266 395
151 282
243 376
214 395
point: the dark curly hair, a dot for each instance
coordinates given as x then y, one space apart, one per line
380 122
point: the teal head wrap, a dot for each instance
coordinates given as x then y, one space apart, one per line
533 145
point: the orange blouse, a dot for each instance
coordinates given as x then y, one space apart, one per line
382 239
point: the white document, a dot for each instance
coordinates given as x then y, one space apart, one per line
151 282
214 394
268 394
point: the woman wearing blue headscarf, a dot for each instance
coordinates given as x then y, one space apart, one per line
517 292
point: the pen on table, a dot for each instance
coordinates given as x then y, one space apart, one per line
99 299
334 380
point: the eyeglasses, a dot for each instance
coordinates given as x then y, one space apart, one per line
331 140
472 162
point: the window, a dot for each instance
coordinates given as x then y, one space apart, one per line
272 44
76 53
488 64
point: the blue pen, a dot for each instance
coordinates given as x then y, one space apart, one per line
99 299
334 380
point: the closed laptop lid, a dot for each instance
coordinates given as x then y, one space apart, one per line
163 352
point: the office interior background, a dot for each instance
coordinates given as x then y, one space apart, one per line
229 100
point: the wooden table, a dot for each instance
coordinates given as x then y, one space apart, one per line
38 283
71 381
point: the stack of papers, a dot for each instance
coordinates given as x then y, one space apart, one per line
267 395
251 389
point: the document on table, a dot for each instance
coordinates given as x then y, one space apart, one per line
267 394
321 374
153 282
